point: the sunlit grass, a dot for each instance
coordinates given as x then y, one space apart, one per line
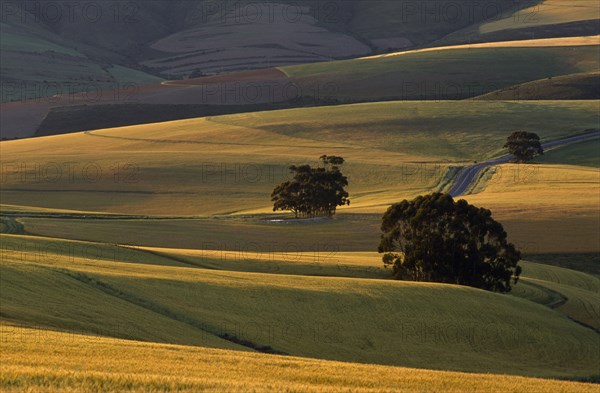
423 325
45 361
546 13
230 164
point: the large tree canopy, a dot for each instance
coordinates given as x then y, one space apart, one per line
433 238
313 192
524 146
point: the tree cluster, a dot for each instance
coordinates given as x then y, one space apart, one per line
313 192
524 146
433 238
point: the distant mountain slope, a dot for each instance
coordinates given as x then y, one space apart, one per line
548 12
36 63
537 19
179 38
447 73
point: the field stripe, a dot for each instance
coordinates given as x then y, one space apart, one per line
536 43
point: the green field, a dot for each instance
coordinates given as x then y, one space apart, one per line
163 235
128 295
230 164
209 180
547 12
141 254
47 361
440 74
536 19
579 154
583 86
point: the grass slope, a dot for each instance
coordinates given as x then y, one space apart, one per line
584 154
511 186
536 19
551 209
30 272
571 292
41 66
548 12
228 164
455 72
584 86
52 362
420 325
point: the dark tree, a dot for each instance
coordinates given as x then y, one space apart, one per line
433 238
524 146
332 160
197 73
313 192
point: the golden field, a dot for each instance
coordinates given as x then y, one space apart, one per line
48 361
151 260
128 293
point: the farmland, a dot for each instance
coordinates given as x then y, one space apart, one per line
37 360
299 311
221 165
141 251
144 288
448 73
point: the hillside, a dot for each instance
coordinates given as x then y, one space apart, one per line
209 180
141 144
177 284
559 15
147 103
225 164
421 325
536 19
448 73
578 154
138 366
584 86
37 65
178 38
53 49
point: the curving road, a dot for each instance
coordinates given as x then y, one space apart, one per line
467 176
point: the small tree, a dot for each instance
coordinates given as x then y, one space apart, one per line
433 238
313 192
524 146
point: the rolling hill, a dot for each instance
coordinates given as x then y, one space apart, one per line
36 359
421 325
39 65
447 73
209 179
139 250
536 19
225 164
585 86
554 13
179 38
